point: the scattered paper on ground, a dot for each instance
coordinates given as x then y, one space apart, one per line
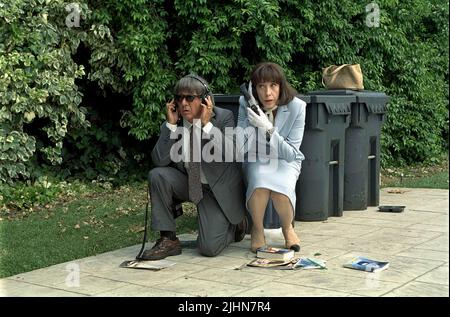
258 262
147 265
136 229
396 191
310 263
296 263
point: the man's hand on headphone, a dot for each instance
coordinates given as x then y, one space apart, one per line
206 111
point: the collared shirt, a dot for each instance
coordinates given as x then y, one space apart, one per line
269 114
207 128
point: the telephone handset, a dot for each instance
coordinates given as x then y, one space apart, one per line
251 101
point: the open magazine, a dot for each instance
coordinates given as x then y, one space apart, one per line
260 262
147 265
310 263
296 263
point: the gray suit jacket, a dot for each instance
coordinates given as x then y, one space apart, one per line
224 178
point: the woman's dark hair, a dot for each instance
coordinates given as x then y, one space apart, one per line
272 72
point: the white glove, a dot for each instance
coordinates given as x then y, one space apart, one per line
259 121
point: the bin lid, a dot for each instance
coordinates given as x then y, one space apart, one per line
223 98
334 92
374 101
335 104
305 98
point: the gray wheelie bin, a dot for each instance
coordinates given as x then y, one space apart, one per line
320 188
362 148
230 102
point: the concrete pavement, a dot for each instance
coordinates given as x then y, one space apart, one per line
415 242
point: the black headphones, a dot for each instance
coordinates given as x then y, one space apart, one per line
207 91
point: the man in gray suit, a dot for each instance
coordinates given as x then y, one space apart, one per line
182 173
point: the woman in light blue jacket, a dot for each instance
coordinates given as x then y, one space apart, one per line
272 161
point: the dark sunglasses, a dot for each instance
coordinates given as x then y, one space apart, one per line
189 98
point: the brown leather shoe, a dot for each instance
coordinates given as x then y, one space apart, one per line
163 248
241 229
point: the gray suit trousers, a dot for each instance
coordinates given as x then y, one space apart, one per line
215 232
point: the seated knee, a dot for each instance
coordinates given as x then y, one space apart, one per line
261 191
155 175
209 250
279 197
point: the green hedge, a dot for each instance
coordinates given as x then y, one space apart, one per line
136 49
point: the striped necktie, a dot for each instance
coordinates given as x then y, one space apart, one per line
193 171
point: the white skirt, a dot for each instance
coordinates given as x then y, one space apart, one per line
276 175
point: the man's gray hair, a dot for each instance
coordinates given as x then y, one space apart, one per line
192 85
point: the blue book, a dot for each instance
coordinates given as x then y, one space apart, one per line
365 264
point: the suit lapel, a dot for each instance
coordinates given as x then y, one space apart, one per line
281 116
180 165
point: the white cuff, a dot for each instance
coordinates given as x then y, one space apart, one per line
172 127
207 128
